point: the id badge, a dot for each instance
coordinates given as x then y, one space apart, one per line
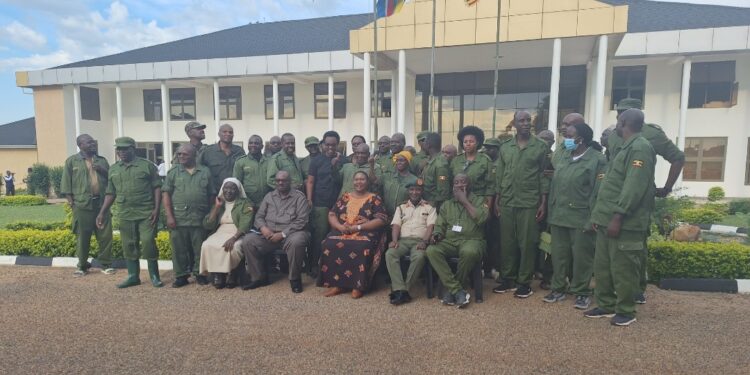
457 228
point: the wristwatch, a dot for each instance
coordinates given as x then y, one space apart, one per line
283 235
359 227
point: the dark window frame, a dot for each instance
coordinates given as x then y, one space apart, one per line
90 103
385 98
320 97
152 105
707 85
230 96
630 88
284 100
700 159
180 98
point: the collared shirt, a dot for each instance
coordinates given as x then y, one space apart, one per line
305 165
133 186
284 162
654 134
436 176
252 175
574 188
190 194
82 181
520 173
395 191
454 222
326 175
414 220
479 171
219 164
418 162
283 214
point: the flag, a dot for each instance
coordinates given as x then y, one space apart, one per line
386 8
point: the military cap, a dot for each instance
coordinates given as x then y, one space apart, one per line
124 142
194 125
422 135
629 103
493 142
309 141
418 183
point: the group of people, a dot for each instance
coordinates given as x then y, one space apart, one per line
337 216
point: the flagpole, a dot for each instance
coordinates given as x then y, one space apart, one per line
373 138
497 68
432 66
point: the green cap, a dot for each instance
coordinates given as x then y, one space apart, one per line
309 141
629 103
418 183
194 125
492 142
422 135
124 142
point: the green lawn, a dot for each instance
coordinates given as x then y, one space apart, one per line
737 220
46 214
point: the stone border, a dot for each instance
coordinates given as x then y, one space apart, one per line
70 262
741 286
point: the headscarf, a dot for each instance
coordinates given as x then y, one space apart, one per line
406 154
236 182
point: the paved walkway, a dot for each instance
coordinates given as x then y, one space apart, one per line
51 322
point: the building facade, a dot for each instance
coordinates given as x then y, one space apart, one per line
690 64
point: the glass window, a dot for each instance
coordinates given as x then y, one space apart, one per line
152 105
628 82
182 103
321 100
286 101
230 103
89 103
712 85
384 98
704 159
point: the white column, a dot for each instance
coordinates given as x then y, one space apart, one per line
554 89
330 102
275 106
601 71
395 94
401 90
166 143
217 112
118 106
367 109
687 68
77 108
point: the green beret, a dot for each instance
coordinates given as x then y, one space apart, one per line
419 183
124 142
422 135
493 142
629 103
309 141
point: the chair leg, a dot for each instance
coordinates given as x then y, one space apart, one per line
430 280
476 276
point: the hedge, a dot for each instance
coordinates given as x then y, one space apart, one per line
19 225
23 200
670 259
62 243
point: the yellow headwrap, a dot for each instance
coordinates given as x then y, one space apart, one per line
406 154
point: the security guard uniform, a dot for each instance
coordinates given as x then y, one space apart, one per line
395 190
420 159
281 161
436 176
478 170
492 234
305 162
219 164
252 175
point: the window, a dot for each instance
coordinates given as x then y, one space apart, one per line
384 98
339 100
628 82
182 104
712 85
230 103
704 159
152 105
90 104
286 101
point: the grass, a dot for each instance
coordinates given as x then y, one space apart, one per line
45 214
737 220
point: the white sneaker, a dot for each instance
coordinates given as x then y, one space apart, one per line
109 271
79 273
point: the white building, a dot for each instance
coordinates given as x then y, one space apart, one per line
690 64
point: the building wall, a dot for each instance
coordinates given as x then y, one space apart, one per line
17 160
53 131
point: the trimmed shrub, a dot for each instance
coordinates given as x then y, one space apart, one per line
38 180
739 206
670 259
55 177
20 225
699 216
23 200
721 208
666 212
715 193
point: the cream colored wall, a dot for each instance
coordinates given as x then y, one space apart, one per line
17 160
52 126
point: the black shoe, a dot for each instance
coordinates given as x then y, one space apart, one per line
505 286
180 282
598 313
201 280
462 298
582 302
448 299
296 286
394 297
405 297
255 284
640 298
545 285
523 291
622 320
220 280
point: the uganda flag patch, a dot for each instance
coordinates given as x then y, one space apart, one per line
248 209
442 178
600 176
637 163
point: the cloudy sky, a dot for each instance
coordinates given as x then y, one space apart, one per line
38 34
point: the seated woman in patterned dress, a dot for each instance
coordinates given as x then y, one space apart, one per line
353 249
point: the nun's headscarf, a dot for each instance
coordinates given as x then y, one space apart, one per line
236 182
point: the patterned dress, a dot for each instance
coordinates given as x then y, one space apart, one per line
349 261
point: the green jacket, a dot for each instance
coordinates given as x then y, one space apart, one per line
479 171
252 175
452 213
395 191
628 187
243 216
305 165
191 194
418 162
283 162
133 186
654 134
347 177
436 176
574 188
219 164
75 180
520 179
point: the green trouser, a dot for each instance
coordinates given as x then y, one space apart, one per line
469 252
492 255
644 266
572 259
138 239
519 236
186 249
406 246
84 225
319 228
617 266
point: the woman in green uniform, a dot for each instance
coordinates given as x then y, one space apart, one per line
394 184
478 166
573 192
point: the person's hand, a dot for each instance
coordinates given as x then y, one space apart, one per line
100 221
229 244
614 227
459 194
662 192
171 222
276 237
541 212
154 217
219 201
393 244
100 169
436 237
422 245
336 159
266 232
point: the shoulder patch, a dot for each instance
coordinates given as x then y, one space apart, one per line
442 178
600 176
637 163
248 209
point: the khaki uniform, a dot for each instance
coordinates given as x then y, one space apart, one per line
414 222
219 164
436 176
283 162
252 174
87 186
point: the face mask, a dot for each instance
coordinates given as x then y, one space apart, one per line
570 144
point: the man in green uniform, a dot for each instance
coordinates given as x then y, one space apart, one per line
420 159
459 232
492 255
436 175
398 142
251 171
196 132
187 194
84 182
449 152
312 144
274 146
220 157
361 162
395 184
621 218
663 147
522 201
384 155
286 160
136 187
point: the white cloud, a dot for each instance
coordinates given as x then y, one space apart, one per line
22 36
35 61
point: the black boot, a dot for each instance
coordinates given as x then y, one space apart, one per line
220 280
